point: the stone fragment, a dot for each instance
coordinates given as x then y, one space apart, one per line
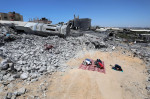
148 87
1 88
4 66
16 76
43 69
20 91
3 72
24 76
9 95
148 71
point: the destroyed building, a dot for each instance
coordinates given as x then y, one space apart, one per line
42 20
145 37
80 23
11 16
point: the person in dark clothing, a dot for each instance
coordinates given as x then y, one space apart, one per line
117 67
99 64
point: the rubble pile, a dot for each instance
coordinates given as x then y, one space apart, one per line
27 58
142 51
7 34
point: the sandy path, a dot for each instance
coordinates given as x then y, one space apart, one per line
83 84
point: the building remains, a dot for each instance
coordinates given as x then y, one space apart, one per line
145 37
11 16
80 23
37 26
42 20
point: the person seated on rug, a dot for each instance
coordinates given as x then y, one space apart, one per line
99 64
117 67
87 62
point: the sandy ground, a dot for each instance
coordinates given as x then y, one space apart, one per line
83 84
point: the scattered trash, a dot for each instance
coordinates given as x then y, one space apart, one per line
7 34
48 46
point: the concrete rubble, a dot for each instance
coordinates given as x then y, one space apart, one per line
29 60
26 57
143 51
13 95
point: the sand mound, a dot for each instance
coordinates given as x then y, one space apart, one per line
84 84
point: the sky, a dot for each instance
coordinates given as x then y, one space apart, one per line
107 13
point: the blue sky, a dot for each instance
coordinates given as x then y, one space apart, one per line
115 13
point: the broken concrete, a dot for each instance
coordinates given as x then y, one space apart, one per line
30 57
30 60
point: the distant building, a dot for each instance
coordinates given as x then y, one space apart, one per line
80 23
11 16
42 20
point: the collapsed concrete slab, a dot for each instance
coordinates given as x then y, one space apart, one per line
38 28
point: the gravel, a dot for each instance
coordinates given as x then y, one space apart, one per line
20 91
24 76
27 55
